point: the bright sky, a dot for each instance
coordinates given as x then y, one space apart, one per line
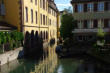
62 4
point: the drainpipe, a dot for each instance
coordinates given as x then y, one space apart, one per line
22 16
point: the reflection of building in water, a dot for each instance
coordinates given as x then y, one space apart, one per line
49 64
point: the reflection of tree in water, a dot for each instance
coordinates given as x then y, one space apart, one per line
26 66
67 66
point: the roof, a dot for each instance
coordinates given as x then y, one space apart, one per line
52 5
80 1
6 26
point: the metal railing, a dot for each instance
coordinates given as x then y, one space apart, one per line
89 30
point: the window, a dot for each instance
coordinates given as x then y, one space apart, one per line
80 24
44 19
109 6
36 17
40 3
46 35
101 6
90 7
109 23
106 22
85 23
41 35
26 9
80 38
95 24
35 2
50 21
43 4
41 18
80 7
31 0
89 24
31 16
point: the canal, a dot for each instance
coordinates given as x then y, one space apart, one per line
51 64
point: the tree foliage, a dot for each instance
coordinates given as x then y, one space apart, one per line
100 33
67 24
10 40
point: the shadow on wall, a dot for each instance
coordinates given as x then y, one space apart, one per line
33 45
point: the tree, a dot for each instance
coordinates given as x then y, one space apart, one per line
67 24
100 36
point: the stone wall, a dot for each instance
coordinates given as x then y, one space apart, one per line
9 56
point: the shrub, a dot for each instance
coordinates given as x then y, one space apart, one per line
10 40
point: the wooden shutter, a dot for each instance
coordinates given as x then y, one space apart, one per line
85 7
76 8
95 24
106 23
106 6
85 23
95 6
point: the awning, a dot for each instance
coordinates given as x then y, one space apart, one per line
6 27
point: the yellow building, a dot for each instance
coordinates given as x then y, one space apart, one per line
28 15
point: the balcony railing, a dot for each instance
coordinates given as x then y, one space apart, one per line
89 30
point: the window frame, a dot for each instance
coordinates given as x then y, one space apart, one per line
91 8
100 6
80 7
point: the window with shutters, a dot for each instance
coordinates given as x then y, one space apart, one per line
90 7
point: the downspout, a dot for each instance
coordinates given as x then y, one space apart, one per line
22 16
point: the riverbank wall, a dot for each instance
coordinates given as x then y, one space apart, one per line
9 56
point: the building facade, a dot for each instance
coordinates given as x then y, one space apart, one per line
27 15
91 15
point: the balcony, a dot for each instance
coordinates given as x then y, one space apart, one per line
91 15
90 30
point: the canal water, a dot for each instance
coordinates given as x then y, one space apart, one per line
51 64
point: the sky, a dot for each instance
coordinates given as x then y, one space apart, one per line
62 4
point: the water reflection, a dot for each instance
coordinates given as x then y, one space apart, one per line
47 65
50 64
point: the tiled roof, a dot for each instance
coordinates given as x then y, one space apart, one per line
52 5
